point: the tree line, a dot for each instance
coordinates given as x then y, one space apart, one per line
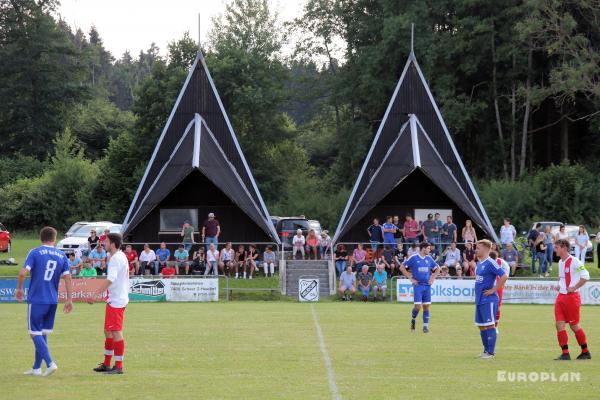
518 85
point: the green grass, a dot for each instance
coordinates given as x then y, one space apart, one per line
265 350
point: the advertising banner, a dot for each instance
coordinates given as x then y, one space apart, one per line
82 289
192 289
7 290
146 290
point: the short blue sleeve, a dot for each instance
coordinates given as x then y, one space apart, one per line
29 261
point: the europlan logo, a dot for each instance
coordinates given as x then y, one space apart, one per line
537 376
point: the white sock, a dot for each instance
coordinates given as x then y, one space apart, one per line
250 276
244 274
236 275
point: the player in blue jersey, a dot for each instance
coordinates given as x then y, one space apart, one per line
423 271
489 278
46 266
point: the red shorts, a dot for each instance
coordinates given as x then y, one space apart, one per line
113 319
567 308
499 304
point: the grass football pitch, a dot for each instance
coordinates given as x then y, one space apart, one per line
272 350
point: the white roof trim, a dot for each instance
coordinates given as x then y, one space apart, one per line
415 141
197 133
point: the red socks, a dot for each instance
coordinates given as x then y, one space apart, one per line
108 351
563 340
119 350
580 335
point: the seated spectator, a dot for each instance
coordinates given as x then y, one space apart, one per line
434 253
240 259
168 271
182 258
469 263
325 244
226 259
364 282
387 259
399 255
147 260
74 264
452 259
312 245
380 281
444 274
198 261
511 256
412 250
88 271
269 259
132 257
162 258
341 258
298 243
347 283
98 259
212 260
92 242
359 257
251 259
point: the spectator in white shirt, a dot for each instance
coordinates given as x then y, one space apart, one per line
298 242
227 259
212 260
581 241
452 259
507 232
147 260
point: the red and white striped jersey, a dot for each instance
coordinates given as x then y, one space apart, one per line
569 273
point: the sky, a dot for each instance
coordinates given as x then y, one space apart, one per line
134 24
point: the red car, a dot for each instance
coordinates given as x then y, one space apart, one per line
5 242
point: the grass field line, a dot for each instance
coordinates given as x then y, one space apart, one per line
335 394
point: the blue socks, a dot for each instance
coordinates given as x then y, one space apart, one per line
484 340
41 351
425 317
488 338
415 312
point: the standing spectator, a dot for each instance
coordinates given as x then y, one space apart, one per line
380 282
325 244
211 230
389 232
147 260
411 229
364 282
269 259
469 262
341 258
468 232
511 256
347 284
162 258
312 244
198 261
433 253
251 260
359 257
531 239
187 233
452 259
540 253
226 260
437 233
562 233
375 232
449 231
412 250
549 239
598 248
182 257
132 259
92 242
581 241
240 259
387 259
399 255
168 271
212 260
98 259
298 243
398 233
88 271
507 232
74 264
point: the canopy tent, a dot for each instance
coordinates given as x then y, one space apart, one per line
198 164
412 164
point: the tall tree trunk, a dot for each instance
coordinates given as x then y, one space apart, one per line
496 106
513 124
527 112
564 139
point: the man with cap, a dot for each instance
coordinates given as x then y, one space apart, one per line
211 231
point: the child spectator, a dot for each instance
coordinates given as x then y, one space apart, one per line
168 272
380 282
269 259
341 258
298 243
132 257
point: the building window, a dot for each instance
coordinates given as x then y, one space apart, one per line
171 219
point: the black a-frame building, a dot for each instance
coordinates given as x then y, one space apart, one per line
412 164
197 168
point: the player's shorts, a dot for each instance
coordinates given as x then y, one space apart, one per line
485 314
566 308
40 318
422 294
113 318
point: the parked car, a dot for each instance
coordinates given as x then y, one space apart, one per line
74 227
316 226
5 239
288 226
572 232
77 243
275 220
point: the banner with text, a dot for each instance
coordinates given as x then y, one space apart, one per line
149 290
